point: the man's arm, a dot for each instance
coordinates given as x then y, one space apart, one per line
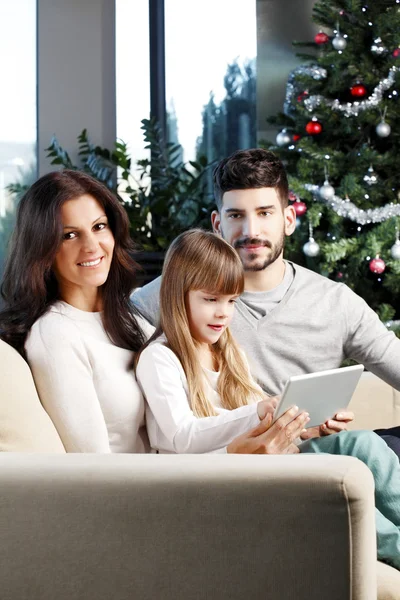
369 342
147 300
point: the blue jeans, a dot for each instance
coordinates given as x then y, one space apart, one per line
384 464
391 437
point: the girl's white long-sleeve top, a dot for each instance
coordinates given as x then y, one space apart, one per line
86 383
171 424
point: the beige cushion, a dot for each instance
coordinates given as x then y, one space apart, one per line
388 582
24 424
375 404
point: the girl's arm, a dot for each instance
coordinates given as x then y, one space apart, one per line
171 424
64 381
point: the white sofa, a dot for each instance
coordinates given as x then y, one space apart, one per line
76 526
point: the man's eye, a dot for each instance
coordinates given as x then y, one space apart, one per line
69 236
234 216
265 213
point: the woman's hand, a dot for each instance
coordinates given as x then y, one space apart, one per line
335 425
268 438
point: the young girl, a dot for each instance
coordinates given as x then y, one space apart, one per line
199 390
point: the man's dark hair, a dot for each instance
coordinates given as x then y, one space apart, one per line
250 169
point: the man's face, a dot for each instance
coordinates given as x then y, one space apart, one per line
255 224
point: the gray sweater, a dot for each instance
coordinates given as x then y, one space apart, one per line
317 324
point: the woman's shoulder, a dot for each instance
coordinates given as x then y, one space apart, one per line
53 328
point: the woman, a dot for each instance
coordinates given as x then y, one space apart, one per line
66 288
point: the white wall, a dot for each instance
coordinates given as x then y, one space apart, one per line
76 74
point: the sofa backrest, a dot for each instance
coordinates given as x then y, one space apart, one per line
24 424
375 404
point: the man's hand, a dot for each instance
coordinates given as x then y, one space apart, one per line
337 423
272 439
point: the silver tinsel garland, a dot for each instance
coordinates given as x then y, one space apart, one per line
346 208
349 109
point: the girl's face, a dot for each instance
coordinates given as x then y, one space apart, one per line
208 314
83 260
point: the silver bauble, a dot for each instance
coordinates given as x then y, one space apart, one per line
311 248
371 178
326 191
283 138
339 42
395 250
383 129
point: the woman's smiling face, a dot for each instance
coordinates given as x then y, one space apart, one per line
84 257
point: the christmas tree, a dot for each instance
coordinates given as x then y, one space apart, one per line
340 141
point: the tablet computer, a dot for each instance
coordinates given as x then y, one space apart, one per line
321 394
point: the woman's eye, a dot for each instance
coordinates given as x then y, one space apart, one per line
69 236
100 226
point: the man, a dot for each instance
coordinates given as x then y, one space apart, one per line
289 320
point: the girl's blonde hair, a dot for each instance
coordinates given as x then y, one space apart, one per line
201 260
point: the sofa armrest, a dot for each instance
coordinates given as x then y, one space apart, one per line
190 526
375 404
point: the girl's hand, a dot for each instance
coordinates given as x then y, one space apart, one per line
272 438
265 407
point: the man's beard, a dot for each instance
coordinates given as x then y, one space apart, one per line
261 264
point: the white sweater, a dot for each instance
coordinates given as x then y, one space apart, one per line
86 383
171 425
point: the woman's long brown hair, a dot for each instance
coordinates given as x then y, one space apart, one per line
201 260
29 286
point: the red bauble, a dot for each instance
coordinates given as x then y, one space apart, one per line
302 95
292 196
396 52
300 208
296 137
321 38
313 127
377 265
358 90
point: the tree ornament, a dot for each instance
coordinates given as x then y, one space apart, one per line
302 95
296 137
395 249
326 191
300 208
311 247
314 127
283 138
370 178
377 265
396 53
339 42
292 196
383 129
321 38
378 48
358 90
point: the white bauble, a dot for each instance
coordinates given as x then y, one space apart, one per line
371 178
339 42
326 191
311 248
283 138
383 129
395 250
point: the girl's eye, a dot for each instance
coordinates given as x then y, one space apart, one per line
210 299
233 300
69 236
